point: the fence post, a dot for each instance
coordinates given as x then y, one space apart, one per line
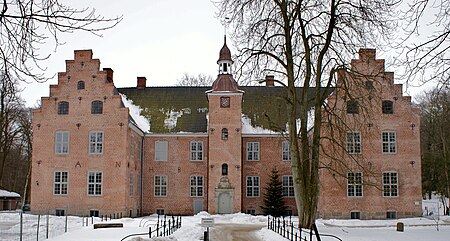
46 225
21 224
292 231
37 231
150 232
65 226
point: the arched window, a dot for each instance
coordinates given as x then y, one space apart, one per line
80 85
225 134
97 107
388 107
63 108
224 169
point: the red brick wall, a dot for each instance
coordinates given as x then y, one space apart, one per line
372 162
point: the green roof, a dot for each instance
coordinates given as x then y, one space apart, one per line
185 109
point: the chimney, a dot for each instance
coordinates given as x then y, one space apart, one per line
109 74
141 82
270 80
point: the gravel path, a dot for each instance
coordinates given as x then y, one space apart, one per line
235 232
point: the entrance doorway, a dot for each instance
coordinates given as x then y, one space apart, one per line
224 203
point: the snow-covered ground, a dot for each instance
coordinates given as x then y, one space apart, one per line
348 230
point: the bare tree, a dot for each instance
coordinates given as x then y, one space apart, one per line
304 43
192 80
26 25
427 41
435 141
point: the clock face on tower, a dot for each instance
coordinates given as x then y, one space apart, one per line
224 102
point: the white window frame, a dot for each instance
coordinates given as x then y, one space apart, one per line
196 150
161 155
62 145
131 185
353 142
95 142
96 185
285 151
355 184
253 151
60 186
288 186
252 186
390 183
389 145
196 186
160 187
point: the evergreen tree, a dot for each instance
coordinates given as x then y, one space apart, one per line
273 197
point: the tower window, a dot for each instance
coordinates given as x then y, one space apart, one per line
225 67
63 108
224 134
80 85
97 107
352 107
388 107
224 169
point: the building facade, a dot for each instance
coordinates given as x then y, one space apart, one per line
209 148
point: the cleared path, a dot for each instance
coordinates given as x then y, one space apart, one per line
235 232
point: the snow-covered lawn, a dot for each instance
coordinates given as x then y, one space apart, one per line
348 230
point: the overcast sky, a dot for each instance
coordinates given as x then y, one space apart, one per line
158 39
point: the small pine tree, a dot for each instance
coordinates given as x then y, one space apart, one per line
273 197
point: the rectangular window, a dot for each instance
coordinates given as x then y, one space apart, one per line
160 211
390 184
161 150
389 142
286 151
160 186
253 186
60 212
391 215
355 215
62 142
354 184
132 148
131 185
196 151
252 151
196 186
96 142
95 183
288 186
60 182
250 211
353 143
94 213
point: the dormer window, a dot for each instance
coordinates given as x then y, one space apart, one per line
387 107
352 107
80 85
63 108
97 107
224 134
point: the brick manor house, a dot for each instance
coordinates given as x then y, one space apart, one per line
213 148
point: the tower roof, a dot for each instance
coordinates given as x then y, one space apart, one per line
225 82
225 53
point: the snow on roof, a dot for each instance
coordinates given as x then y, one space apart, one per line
247 127
172 117
4 193
135 113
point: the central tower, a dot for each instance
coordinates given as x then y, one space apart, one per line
225 140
